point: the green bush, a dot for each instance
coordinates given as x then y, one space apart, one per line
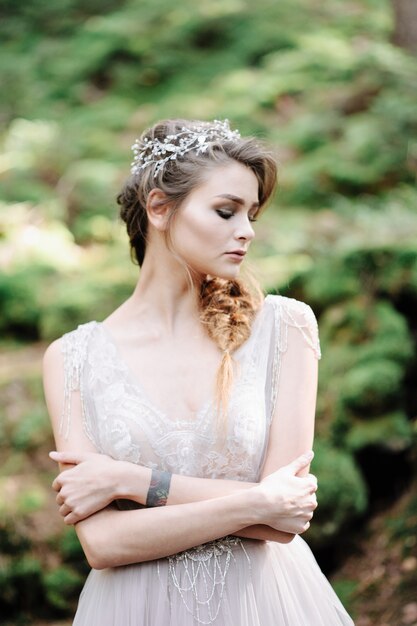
392 432
71 550
342 493
31 430
372 387
404 527
384 272
62 585
12 542
79 298
19 304
20 584
367 349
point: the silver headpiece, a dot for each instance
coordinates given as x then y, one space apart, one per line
197 138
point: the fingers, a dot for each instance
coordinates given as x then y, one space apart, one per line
314 503
71 516
301 462
71 458
312 498
64 510
312 485
293 525
56 485
306 521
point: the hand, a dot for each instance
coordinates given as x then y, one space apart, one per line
287 500
87 487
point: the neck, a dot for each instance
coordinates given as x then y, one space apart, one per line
165 291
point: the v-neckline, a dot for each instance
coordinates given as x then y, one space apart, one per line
136 384
208 403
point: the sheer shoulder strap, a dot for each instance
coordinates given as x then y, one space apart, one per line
74 347
289 312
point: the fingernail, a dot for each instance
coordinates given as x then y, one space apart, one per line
53 454
309 455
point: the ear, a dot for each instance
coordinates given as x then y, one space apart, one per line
158 209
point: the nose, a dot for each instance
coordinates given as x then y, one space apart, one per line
245 231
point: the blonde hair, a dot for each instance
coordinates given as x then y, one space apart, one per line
227 307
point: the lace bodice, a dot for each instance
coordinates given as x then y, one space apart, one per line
122 422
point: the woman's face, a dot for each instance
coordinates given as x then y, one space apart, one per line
212 229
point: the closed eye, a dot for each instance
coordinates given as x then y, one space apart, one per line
225 214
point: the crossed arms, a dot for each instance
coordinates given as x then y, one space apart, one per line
198 510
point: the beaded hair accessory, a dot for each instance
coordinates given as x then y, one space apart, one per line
146 152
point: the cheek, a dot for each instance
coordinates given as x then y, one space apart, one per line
196 232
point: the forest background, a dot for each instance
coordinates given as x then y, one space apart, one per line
332 85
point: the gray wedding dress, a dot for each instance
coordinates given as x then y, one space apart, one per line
231 581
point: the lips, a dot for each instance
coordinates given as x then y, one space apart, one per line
237 252
236 256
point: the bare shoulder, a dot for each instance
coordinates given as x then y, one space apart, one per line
53 371
53 355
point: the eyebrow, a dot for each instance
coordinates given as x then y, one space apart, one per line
236 199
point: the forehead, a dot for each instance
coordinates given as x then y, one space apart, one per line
231 178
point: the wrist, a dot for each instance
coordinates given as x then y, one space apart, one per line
132 481
252 506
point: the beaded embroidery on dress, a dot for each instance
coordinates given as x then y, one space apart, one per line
230 581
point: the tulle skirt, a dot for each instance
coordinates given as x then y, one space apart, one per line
229 582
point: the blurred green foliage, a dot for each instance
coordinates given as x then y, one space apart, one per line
342 493
404 528
323 84
61 584
42 566
366 328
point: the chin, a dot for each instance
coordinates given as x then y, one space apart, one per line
230 274
225 273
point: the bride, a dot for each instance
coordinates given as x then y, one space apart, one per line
184 421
